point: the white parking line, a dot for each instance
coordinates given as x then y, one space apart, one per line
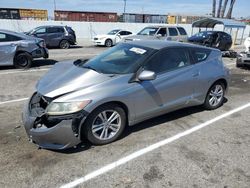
150 148
24 71
11 101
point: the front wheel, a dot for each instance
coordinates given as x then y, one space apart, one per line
105 124
215 96
108 43
23 60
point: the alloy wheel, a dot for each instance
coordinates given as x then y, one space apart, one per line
216 95
106 125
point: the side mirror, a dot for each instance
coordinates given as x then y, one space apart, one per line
147 75
159 35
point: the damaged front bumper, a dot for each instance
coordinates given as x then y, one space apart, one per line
40 53
51 132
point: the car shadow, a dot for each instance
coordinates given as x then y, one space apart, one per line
245 67
85 145
71 47
35 64
43 62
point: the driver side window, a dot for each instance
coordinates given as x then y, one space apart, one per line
122 33
40 31
168 60
162 32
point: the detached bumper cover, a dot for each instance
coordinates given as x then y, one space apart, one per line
40 52
59 136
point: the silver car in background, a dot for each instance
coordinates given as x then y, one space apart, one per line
171 33
96 99
19 49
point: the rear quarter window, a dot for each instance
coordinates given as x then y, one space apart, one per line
9 38
200 54
182 31
172 31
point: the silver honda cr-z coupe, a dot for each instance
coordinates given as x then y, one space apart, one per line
96 99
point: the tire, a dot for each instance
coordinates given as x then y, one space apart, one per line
108 43
95 133
64 44
23 60
238 65
217 92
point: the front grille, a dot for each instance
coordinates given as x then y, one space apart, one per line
95 38
38 104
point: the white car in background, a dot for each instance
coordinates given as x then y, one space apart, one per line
112 38
247 44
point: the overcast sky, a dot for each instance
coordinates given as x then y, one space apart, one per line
196 7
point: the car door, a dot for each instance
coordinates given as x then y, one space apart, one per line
8 45
183 37
120 35
173 87
55 35
173 34
162 34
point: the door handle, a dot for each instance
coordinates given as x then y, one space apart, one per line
13 44
196 74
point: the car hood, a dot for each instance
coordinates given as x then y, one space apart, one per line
65 77
139 37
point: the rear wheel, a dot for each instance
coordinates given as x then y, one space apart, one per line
105 124
64 44
238 65
108 43
215 96
23 60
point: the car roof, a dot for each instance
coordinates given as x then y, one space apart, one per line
19 34
157 26
13 33
52 26
159 44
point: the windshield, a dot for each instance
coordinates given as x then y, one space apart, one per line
121 59
148 31
204 34
33 30
113 32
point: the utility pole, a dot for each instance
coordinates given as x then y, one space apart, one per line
124 10
54 4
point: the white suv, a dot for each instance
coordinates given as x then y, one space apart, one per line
174 33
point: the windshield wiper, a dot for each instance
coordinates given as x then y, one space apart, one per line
89 67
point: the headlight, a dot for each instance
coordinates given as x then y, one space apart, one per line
62 108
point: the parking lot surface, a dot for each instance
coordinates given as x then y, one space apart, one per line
218 155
